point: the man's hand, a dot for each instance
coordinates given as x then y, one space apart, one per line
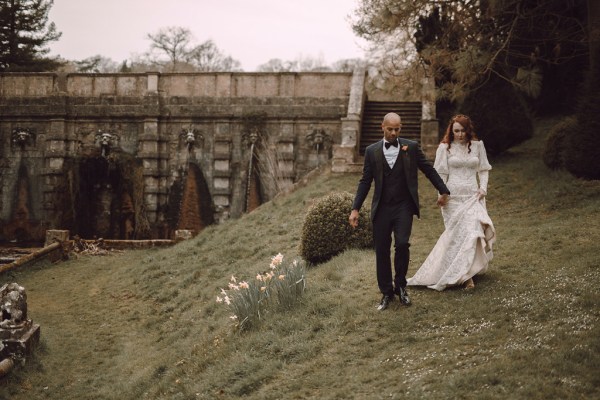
353 219
443 200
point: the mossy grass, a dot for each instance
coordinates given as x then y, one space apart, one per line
145 324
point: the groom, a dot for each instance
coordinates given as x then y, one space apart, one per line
392 163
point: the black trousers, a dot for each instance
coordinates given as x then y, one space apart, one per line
393 219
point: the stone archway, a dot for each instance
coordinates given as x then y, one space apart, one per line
22 226
105 202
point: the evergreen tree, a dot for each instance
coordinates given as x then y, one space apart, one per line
24 32
501 118
581 152
124 67
537 45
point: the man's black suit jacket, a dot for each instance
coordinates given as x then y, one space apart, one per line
412 157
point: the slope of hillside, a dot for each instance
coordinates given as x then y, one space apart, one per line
145 324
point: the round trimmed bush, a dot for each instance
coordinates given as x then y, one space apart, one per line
326 231
554 147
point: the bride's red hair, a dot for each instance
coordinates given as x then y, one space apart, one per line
469 130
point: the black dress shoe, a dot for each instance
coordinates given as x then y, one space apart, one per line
404 299
385 302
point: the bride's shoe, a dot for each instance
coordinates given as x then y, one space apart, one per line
470 284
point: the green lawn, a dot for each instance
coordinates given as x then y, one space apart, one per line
145 324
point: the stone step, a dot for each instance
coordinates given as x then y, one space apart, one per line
374 111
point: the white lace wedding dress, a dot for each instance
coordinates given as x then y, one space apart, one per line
465 247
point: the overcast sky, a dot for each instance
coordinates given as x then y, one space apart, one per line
250 31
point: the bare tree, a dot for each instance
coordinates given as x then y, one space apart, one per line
173 42
96 64
345 65
307 64
207 57
183 56
275 65
311 64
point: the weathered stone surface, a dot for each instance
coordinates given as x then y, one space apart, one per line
183 234
24 339
18 334
430 137
55 235
345 150
147 115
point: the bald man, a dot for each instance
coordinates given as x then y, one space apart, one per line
392 163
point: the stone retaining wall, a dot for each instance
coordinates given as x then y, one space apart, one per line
155 126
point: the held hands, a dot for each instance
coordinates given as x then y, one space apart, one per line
443 200
353 219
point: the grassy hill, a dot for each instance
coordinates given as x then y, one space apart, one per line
145 324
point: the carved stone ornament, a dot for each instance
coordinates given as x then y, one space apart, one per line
318 139
22 137
191 138
18 334
106 141
251 137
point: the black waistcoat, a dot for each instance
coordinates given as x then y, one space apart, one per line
394 188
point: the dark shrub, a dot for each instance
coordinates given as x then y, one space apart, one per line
554 148
444 110
500 115
326 231
558 95
582 153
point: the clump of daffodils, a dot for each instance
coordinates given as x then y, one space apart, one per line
280 287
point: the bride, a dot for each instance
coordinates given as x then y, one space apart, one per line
465 247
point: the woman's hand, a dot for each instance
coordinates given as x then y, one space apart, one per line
443 200
480 194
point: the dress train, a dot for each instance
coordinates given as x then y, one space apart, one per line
463 250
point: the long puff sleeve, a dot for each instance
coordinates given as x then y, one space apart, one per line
484 167
483 180
484 164
441 162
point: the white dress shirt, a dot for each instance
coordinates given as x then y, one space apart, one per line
391 154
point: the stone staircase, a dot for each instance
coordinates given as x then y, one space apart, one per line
373 114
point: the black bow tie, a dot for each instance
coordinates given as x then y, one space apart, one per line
388 144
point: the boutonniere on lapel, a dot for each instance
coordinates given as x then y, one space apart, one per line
404 148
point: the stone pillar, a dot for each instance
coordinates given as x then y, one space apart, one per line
53 172
285 161
152 87
221 185
183 234
55 235
429 122
150 153
152 150
345 153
